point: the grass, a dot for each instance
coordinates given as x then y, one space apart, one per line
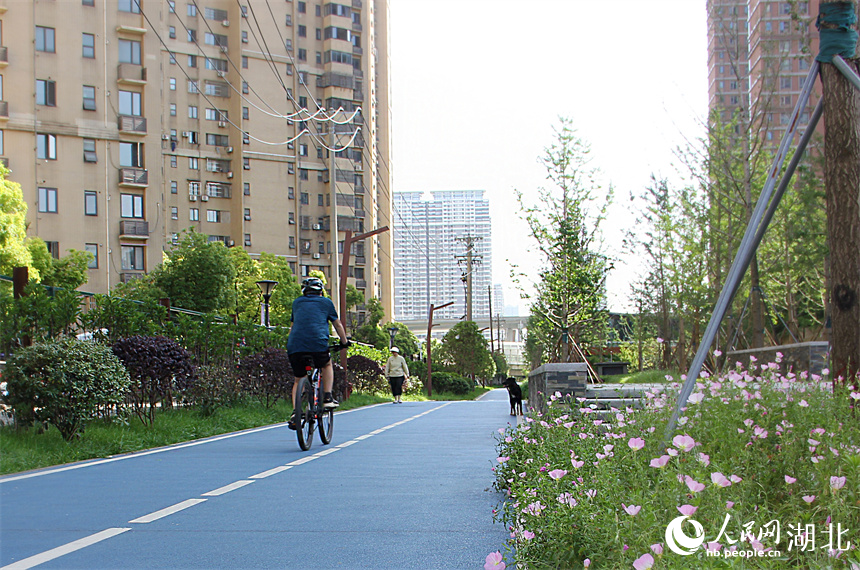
644 377
24 450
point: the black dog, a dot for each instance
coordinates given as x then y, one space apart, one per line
516 396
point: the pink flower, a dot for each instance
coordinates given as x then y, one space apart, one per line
660 461
837 483
720 479
803 404
718 353
567 499
713 546
687 510
694 485
577 464
696 398
729 504
502 459
631 510
809 498
735 479
636 443
657 549
684 442
703 458
557 474
494 561
790 480
591 493
586 563
528 535
644 562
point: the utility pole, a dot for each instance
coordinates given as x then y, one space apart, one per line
470 259
429 329
490 299
335 282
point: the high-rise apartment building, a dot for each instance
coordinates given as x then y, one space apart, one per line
262 125
431 238
759 53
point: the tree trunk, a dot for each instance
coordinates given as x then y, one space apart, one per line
842 182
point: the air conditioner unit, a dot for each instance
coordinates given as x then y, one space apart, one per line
316 256
192 197
204 198
222 124
230 174
224 49
225 23
186 134
229 149
221 73
165 137
317 226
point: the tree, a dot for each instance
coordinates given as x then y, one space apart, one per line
278 269
370 332
501 363
354 297
198 275
13 227
569 306
405 340
464 350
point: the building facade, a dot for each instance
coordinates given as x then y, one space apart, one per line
126 122
431 242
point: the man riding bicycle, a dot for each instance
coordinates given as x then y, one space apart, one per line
309 337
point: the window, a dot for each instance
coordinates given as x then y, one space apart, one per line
213 216
246 138
129 52
171 6
93 249
246 113
303 54
90 151
45 39
246 188
303 31
191 35
88 2
46 146
192 112
289 21
247 240
291 218
171 31
303 8
303 174
247 214
2 133
319 33
192 10
192 61
244 62
89 98
173 84
193 187
129 103
320 200
46 92
131 206
131 155
288 44
305 198
215 39
173 161
129 6
244 37
216 64
48 200
218 190
303 150
291 193
246 163
174 187
173 109
214 14
192 86
194 215
245 90
174 213
89 45
91 203
217 140
321 247
192 163
133 257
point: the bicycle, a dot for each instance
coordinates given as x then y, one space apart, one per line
309 408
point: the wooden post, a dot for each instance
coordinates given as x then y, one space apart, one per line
20 278
842 188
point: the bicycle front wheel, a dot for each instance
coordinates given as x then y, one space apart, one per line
304 407
326 426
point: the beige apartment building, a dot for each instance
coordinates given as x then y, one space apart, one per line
265 125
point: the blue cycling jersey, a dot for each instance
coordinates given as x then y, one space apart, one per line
310 330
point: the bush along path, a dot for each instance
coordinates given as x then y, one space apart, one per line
763 466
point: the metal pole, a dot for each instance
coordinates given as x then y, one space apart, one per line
746 249
846 70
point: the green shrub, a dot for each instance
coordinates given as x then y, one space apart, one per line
449 382
267 376
64 383
214 388
366 375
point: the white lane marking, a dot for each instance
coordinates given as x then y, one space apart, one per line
227 488
270 472
326 452
65 549
347 443
168 511
302 461
363 437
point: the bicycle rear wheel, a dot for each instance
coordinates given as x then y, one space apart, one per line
326 425
304 407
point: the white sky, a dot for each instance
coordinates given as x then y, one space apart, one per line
477 86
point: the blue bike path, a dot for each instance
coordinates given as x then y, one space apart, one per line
400 486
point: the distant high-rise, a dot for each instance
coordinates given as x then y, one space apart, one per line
429 241
127 122
759 53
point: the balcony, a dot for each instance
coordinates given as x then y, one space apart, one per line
131 74
356 4
134 229
133 177
361 284
4 110
126 277
4 56
357 50
131 125
360 260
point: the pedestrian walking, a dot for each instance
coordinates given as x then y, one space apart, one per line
397 372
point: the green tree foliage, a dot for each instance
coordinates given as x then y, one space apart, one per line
13 227
39 315
281 304
370 332
465 351
404 340
501 363
198 275
64 383
570 299
354 297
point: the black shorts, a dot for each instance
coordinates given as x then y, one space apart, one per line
300 360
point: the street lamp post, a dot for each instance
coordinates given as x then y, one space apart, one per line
266 287
392 332
429 358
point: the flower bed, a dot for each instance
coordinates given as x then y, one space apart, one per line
762 467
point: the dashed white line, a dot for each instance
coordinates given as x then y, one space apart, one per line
227 488
302 461
271 472
168 511
328 451
65 549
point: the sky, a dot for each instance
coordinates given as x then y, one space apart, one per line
478 85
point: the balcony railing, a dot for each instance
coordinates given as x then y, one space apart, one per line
356 4
131 124
126 277
133 177
131 73
134 228
360 260
361 284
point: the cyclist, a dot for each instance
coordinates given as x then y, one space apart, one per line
309 338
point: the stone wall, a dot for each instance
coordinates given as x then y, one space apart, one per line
811 356
569 378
